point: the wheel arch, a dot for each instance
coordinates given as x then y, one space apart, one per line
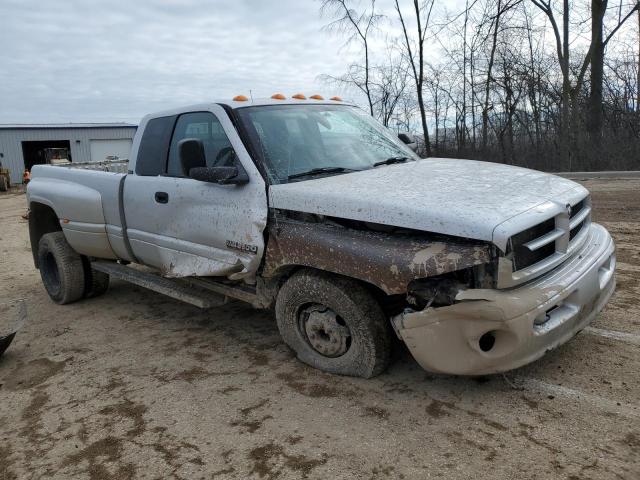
42 220
277 278
282 272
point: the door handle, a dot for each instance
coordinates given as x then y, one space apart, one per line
162 197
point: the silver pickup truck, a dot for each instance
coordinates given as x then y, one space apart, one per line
313 209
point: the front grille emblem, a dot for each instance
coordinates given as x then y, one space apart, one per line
568 209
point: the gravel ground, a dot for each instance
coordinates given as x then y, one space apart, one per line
135 385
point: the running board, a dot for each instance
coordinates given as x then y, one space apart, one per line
166 286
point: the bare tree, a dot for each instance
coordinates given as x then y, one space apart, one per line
501 7
596 54
491 71
389 87
562 51
358 26
433 84
593 57
422 10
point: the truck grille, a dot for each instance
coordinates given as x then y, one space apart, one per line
577 212
523 255
544 245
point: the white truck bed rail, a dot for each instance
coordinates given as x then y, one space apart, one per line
113 166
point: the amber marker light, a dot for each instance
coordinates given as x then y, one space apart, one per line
336 99
316 97
240 98
299 96
278 96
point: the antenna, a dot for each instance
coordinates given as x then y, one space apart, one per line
251 95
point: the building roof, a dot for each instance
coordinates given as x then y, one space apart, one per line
40 126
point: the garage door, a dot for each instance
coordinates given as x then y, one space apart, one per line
110 149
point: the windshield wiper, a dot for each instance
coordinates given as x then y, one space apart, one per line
391 160
316 171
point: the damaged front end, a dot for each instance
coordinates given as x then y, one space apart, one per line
442 293
390 259
486 330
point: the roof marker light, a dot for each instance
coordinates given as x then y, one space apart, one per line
317 97
278 96
299 96
336 99
240 98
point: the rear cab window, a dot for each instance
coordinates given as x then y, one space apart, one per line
154 145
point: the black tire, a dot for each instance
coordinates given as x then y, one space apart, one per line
61 269
5 342
95 283
368 345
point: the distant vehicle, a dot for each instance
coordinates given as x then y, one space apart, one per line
5 179
57 156
312 208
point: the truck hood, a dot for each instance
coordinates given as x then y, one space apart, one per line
463 198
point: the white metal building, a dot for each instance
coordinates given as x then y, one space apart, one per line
22 146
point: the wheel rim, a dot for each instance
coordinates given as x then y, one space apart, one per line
325 331
50 274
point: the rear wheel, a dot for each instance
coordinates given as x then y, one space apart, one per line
333 324
61 269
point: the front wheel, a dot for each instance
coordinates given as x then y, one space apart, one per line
61 269
333 324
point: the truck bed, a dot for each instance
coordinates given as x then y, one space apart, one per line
86 201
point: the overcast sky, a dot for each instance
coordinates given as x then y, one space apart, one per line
116 60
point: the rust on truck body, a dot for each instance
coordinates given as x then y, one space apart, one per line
389 261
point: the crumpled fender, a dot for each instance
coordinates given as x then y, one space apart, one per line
383 259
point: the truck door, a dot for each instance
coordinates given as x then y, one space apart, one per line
188 227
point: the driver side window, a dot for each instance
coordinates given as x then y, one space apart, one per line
206 127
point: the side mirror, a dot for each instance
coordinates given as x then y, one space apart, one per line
191 154
220 175
408 140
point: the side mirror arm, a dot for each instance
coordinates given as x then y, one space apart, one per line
241 178
235 175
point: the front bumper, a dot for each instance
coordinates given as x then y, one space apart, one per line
489 331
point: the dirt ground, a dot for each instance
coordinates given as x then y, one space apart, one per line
135 385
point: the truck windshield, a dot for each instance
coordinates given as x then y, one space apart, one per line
299 142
